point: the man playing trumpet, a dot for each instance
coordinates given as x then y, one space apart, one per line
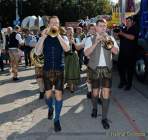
100 65
52 47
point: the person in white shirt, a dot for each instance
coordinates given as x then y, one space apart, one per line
72 67
100 67
29 43
78 38
85 42
14 43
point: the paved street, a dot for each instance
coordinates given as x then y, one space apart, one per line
24 117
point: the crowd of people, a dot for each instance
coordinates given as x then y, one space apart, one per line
64 56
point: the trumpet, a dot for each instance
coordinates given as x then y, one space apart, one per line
106 40
109 44
53 31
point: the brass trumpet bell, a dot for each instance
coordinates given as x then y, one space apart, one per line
107 41
54 31
109 44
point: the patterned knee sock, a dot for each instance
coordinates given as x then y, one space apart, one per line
58 107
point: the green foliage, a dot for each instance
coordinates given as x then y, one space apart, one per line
67 10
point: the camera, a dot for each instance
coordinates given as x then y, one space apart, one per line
116 30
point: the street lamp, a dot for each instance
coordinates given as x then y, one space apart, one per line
16 10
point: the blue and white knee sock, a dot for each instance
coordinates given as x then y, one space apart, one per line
49 102
58 108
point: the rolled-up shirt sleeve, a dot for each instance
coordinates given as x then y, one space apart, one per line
66 41
39 46
19 38
88 43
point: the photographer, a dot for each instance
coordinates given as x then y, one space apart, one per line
126 60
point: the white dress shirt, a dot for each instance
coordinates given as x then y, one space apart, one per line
88 44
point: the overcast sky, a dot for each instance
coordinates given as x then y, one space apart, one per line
117 0
114 0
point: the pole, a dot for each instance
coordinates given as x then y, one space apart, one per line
122 8
17 16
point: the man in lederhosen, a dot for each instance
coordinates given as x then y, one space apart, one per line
15 41
38 67
100 64
53 48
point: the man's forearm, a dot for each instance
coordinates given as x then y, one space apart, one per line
128 36
79 46
63 44
88 51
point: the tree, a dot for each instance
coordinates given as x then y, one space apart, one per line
7 11
67 10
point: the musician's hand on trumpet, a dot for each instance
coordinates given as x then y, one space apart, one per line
99 38
54 31
45 32
115 50
105 39
71 40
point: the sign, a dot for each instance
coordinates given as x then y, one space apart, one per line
71 24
